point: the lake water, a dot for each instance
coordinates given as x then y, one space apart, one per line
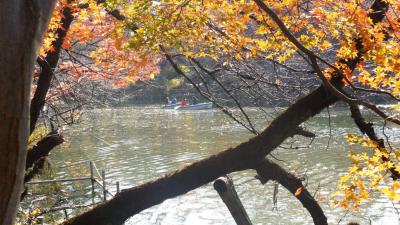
135 145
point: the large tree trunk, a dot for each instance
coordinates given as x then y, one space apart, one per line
22 24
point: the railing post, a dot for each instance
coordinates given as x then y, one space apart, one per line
275 196
92 180
103 176
117 187
65 214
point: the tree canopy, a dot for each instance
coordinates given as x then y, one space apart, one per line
352 47
346 38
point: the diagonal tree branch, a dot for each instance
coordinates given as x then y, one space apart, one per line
244 156
209 97
268 170
211 74
47 65
368 129
30 174
43 147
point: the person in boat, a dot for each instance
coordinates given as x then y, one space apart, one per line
194 100
184 102
173 100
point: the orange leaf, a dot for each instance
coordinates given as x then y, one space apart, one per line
298 191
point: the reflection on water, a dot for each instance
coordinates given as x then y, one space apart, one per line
136 145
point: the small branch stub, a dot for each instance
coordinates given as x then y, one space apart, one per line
226 190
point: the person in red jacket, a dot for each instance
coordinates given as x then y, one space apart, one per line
184 102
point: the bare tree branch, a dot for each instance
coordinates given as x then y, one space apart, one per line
43 147
268 170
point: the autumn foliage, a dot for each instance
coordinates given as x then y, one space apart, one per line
338 32
96 47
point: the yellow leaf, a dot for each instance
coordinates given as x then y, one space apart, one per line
396 185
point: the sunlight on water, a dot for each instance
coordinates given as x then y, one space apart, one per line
136 145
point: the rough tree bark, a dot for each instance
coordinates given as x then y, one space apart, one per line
23 24
37 155
43 147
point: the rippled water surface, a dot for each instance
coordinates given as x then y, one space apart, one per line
135 145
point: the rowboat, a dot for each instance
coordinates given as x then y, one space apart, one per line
198 106
171 106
